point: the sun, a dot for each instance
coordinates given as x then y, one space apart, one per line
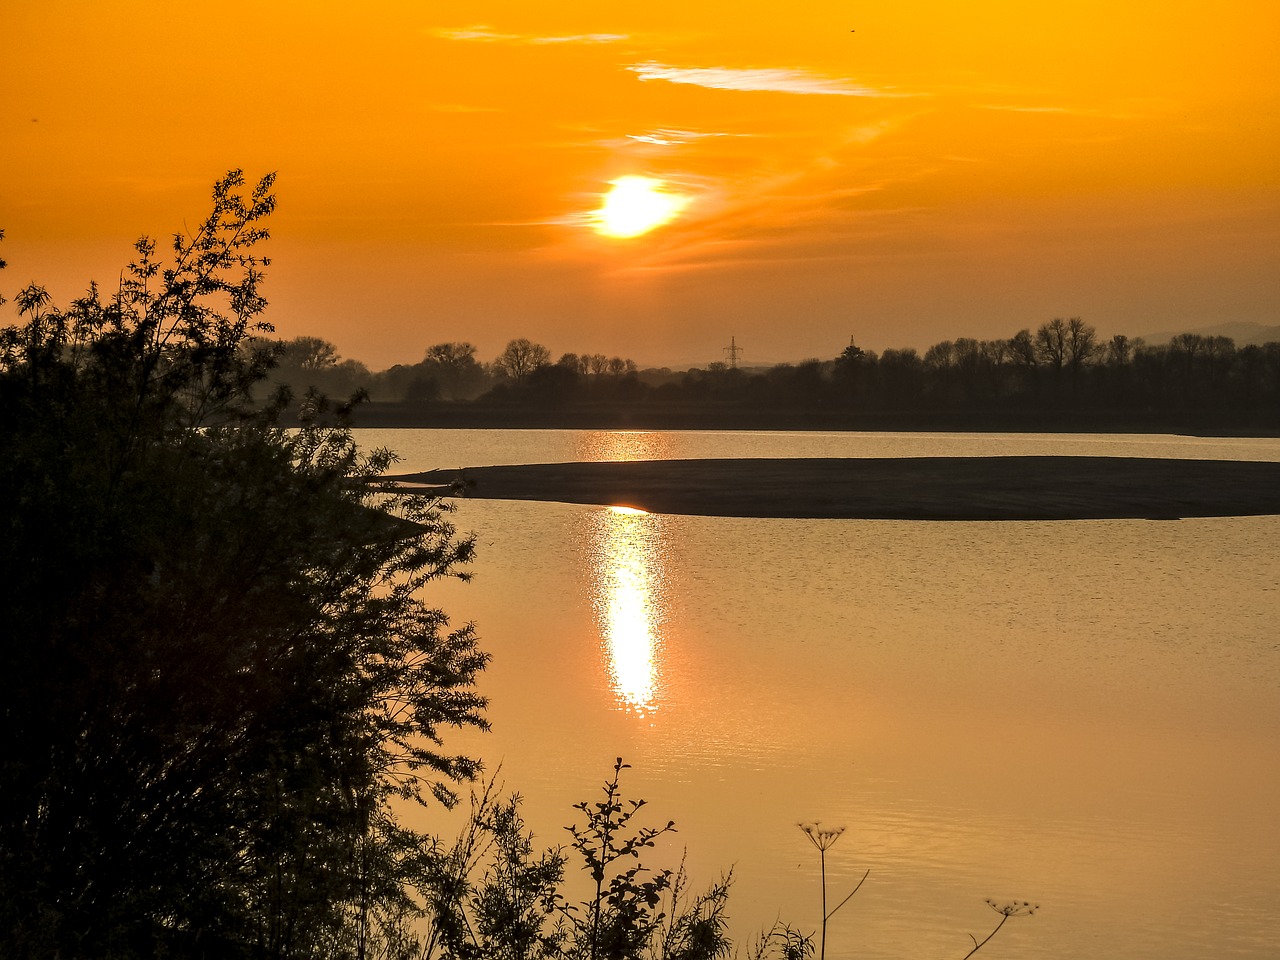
636 205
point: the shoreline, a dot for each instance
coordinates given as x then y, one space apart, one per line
919 488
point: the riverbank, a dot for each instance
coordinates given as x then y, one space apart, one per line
920 488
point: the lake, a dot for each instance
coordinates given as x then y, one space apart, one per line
1082 714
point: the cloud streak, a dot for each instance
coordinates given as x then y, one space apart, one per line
667 137
481 33
770 80
1061 111
582 38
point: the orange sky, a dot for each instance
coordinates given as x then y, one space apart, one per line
949 169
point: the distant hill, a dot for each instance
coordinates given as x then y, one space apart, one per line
1242 333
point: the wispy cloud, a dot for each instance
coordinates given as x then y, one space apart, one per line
479 33
666 137
582 38
482 33
772 80
1114 113
653 138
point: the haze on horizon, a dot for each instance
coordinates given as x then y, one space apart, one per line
897 175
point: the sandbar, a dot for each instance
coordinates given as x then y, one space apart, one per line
916 488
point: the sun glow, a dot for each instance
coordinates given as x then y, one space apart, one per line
636 205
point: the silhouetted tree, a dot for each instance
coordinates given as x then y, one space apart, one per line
221 670
1219 357
1154 376
999 360
1119 351
520 358
311 363
311 353
1249 374
1081 348
941 364
972 370
455 371
1082 343
1022 352
578 364
552 384
852 372
1051 344
900 374
1117 368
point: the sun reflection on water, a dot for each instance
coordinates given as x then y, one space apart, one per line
624 445
628 593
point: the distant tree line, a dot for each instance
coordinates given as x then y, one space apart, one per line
1061 366
451 373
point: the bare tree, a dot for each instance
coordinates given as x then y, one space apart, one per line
1051 344
1119 351
1022 348
1082 343
520 358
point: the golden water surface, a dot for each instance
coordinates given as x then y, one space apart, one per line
1081 714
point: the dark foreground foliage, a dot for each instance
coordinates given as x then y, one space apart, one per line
219 670
494 895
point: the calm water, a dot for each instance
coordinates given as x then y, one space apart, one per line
1082 714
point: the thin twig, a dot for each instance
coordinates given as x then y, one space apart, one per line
851 893
978 946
